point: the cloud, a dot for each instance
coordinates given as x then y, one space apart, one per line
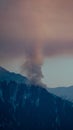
37 19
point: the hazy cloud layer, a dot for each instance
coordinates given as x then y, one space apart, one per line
36 21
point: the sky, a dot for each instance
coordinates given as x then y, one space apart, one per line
58 71
36 37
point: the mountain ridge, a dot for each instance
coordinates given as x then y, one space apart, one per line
8 76
28 106
63 92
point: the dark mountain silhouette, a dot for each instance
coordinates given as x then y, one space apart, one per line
11 76
29 107
63 92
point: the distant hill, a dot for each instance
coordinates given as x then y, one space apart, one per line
63 92
25 106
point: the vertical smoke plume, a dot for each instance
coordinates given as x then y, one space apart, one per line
33 71
33 63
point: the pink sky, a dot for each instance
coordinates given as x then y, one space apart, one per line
37 20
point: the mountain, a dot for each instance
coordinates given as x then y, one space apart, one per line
63 92
30 107
11 76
